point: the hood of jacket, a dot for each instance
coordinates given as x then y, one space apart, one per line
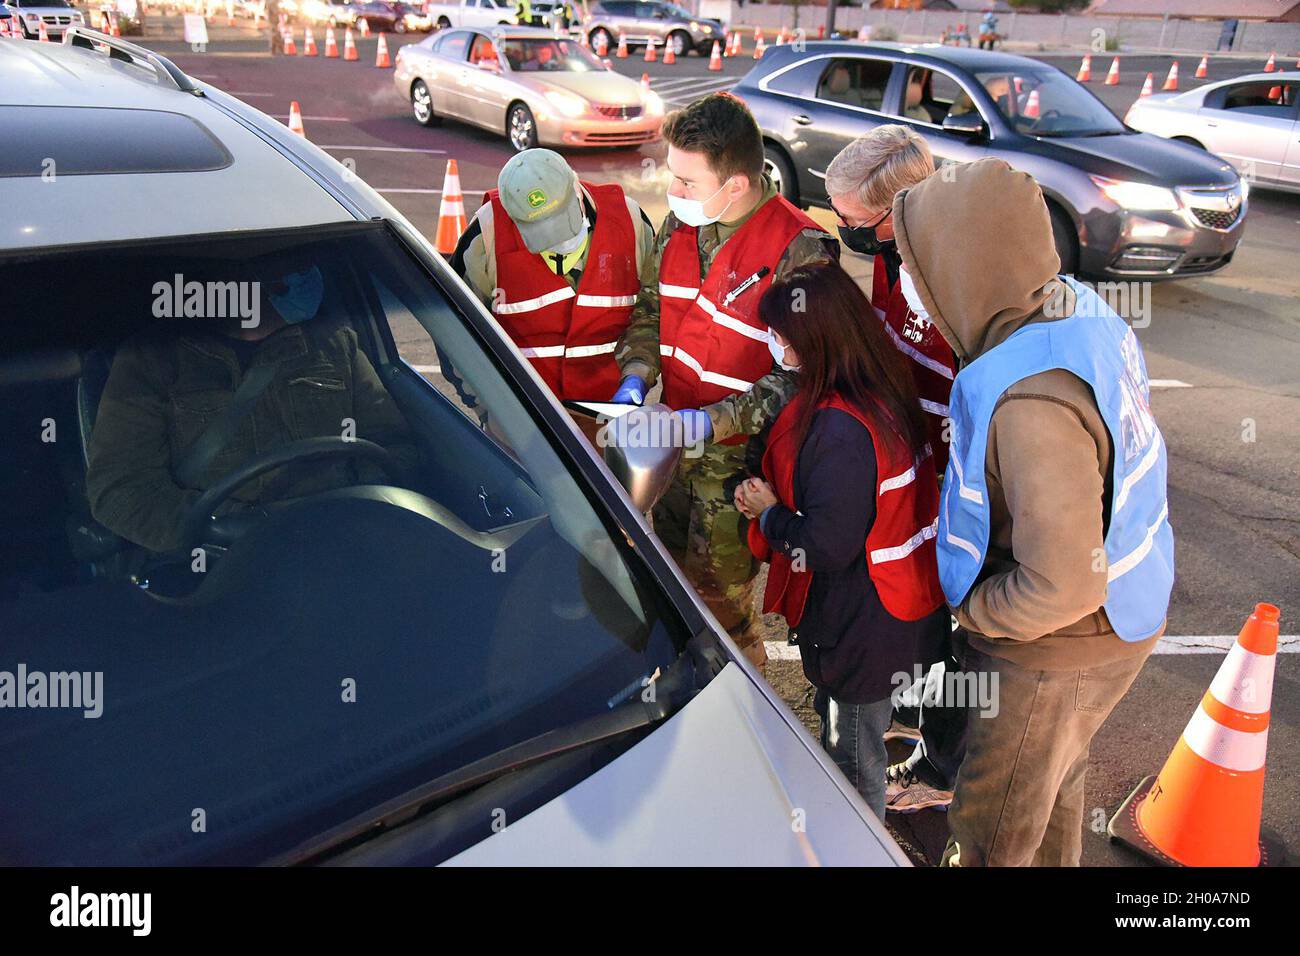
978 245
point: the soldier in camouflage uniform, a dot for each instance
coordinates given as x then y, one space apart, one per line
716 157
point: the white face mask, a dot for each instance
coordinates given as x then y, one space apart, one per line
574 244
690 212
911 295
778 352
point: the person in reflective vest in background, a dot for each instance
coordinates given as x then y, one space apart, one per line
846 513
1054 544
861 182
557 261
728 235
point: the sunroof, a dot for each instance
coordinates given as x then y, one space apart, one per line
54 141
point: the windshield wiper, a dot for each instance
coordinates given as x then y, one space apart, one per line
672 689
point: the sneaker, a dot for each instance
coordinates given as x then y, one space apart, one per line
905 792
901 731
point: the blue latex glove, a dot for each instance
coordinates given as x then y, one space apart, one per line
631 391
696 425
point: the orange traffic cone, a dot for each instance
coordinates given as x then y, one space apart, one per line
1275 93
331 45
451 211
290 48
760 49
645 82
650 56
780 37
1112 75
114 30
363 27
381 54
1203 69
309 44
602 44
41 33
349 45
621 52
758 34
1271 65
715 61
1031 105
295 120
669 56
1204 808
1085 69
1171 81
1147 86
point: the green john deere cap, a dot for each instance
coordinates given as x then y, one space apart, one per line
540 192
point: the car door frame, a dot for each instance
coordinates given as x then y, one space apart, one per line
451 71
967 148
811 182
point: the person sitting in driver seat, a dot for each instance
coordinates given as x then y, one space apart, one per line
168 387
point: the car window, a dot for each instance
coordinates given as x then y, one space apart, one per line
646 11
545 55
855 81
483 50
800 80
366 632
1260 99
454 45
1043 101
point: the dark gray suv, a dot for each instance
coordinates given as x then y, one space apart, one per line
664 24
1123 203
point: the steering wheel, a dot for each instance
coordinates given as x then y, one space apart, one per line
200 525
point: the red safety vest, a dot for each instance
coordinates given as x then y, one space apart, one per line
569 334
900 545
710 348
931 359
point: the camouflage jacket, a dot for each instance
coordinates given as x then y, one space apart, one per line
745 413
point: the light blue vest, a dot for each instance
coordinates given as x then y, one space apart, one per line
1096 345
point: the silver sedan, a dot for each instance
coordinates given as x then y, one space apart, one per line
1251 121
535 87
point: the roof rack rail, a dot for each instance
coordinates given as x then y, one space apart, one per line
164 69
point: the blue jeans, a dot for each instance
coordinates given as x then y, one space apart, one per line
854 736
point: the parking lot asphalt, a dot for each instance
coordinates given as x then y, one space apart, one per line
1224 351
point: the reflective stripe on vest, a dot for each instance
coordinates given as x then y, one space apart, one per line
532 305
1095 345
713 378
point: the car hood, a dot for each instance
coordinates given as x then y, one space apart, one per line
1139 156
727 781
610 88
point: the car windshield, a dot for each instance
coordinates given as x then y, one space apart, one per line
446 588
672 10
1046 102
549 56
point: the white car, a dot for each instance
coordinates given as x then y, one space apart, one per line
1251 121
471 13
57 15
481 656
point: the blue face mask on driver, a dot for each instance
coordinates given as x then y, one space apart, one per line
299 296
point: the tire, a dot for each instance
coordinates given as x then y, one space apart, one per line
334 23
609 40
521 127
399 26
1066 239
781 172
422 105
680 42
443 23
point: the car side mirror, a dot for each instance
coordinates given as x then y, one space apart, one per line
964 124
637 454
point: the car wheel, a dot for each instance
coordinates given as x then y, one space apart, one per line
443 23
680 42
521 128
422 105
334 23
1066 239
608 41
399 26
1189 141
778 169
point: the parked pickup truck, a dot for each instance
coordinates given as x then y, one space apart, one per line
471 13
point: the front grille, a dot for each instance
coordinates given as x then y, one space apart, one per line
1216 218
617 112
619 138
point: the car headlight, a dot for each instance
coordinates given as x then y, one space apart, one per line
654 106
567 103
1137 195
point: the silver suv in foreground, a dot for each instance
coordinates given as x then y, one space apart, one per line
459 622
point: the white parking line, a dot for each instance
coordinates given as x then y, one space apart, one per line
421 192
1176 644
389 149
658 85
1169 383
314 119
233 93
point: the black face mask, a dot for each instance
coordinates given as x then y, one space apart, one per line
862 239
